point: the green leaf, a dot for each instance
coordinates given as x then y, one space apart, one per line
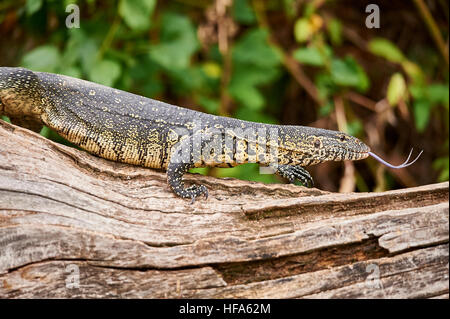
386 49
354 128
199 170
290 7
248 95
32 6
144 75
105 72
312 56
45 58
326 109
188 80
413 71
243 13
442 165
88 54
422 109
212 69
67 2
209 105
244 81
255 62
326 86
438 94
252 116
334 28
71 71
249 172
435 94
348 72
425 98
5 118
309 9
80 48
178 42
136 13
254 48
302 30
417 91
396 89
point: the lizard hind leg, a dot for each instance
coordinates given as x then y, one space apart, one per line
175 172
293 173
177 167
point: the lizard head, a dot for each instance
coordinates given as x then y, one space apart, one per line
314 145
339 146
319 145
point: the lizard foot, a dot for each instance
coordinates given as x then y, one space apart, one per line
293 173
175 174
194 191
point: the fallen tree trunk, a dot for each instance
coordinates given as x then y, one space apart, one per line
74 225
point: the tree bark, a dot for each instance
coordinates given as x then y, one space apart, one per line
74 225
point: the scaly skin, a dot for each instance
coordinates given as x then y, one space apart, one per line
128 128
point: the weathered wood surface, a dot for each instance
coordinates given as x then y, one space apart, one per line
74 225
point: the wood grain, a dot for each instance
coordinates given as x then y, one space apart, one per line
74 225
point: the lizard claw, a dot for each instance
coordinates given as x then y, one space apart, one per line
196 190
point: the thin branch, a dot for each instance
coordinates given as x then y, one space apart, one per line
361 100
295 69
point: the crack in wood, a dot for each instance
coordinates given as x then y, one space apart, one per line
268 269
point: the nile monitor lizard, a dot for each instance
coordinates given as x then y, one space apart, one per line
128 128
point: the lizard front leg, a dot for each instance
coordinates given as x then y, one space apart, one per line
295 172
180 162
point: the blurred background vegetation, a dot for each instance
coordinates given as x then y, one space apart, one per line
294 62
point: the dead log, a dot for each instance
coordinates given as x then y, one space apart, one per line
74 225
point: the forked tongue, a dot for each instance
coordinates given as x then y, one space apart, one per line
405 163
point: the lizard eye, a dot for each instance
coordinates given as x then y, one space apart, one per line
316 143
342 138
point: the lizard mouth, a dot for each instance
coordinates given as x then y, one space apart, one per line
359 155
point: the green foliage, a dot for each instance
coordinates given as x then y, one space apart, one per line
177 43
355 128
396 90
105 72
311 56
136 13
243 12
248 171
45 58
442 165
32 6
425 99
334 28
5 118
348 73
255 63
386 49
302 30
